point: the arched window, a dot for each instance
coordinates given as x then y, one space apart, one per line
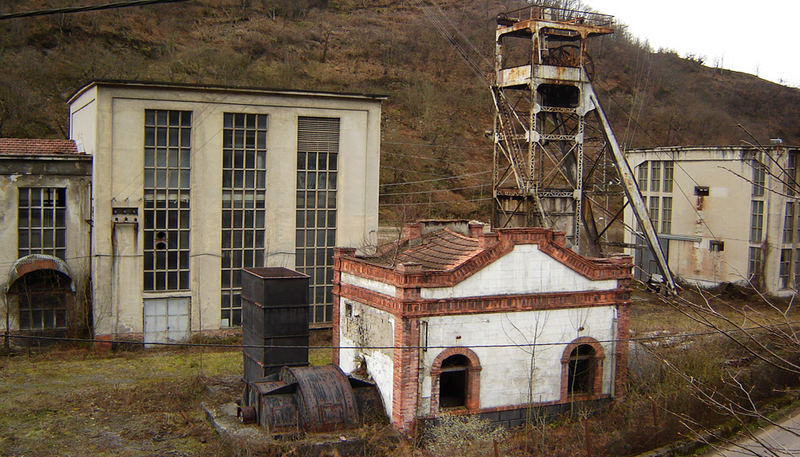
582 370
42 296
455 380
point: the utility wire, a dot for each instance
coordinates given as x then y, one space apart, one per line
443 202
438 179
81 9
686 335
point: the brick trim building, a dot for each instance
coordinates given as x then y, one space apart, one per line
445 321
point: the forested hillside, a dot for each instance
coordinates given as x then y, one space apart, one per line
438 111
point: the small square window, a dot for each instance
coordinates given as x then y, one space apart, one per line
701 191
716 246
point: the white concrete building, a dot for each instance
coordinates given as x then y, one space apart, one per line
454 320
44 237
192 183
722 213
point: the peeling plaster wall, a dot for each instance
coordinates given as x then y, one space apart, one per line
508 374
363 326
725 214
524 270
37 171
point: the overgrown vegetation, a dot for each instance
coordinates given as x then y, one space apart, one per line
75 401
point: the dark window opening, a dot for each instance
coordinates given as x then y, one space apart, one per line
453 382
581 370
716 246
43 296
701 191
559 95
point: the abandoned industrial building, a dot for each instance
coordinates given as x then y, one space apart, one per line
446 320
692 193
189 184
44 209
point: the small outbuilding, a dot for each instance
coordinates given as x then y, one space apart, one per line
455 319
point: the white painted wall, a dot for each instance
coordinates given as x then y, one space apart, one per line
524 270
369 284
113 115
514 376
361 326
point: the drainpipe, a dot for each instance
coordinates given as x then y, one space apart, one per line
6 343
614 335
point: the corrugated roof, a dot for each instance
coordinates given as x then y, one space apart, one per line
37 146
439 250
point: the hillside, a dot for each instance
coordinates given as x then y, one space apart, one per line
435 119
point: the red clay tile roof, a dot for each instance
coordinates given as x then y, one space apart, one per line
438 250
37 146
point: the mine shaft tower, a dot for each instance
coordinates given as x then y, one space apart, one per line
556 159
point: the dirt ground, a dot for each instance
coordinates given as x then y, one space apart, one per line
78 402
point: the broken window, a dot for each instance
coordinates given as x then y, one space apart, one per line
453 382
167 168
42 297
41 221
244 187
581 374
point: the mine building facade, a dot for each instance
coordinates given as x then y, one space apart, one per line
193 183
44 236
453 319
724 214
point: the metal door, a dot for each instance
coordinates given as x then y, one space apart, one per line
166 320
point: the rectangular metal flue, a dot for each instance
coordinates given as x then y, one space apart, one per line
274 320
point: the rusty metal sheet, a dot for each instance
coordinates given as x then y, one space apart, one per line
278 413
325 399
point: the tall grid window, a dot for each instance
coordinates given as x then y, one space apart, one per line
753 262
654 211
41 221
655 176
167 166
797 268
759 178
790 178
788 223
669 173
756 220
244 185
642 171
784 271
666 215
317 165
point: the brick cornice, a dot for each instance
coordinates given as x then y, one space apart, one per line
484 304
548 242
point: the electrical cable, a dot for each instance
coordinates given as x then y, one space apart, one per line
82 9
685 335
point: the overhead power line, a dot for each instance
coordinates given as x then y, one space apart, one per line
82 9
438 179
641 339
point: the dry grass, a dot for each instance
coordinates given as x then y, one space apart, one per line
78 403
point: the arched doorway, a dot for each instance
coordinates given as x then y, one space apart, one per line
455 380
582 370
41 290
